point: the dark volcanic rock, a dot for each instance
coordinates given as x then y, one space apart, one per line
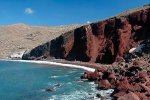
50 90
100 42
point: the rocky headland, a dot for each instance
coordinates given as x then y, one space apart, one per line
99 42
118 48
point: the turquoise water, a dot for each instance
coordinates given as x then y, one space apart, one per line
27 81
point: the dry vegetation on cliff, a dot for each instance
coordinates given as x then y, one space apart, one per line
20 37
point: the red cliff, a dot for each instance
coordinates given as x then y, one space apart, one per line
100 42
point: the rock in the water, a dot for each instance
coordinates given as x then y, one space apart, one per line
50 90
58 85
91 76
98 95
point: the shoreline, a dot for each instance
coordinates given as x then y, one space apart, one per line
103 93
53 63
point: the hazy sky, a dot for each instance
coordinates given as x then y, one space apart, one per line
61 12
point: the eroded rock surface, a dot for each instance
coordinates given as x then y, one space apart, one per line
100 42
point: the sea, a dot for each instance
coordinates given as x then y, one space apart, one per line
29 81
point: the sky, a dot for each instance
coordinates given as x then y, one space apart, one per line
62 12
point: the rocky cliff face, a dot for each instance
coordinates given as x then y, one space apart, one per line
100 42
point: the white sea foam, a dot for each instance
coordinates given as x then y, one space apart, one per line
83 95
53 63
69 83
54 76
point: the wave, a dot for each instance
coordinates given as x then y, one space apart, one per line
82 94
54 76
58 76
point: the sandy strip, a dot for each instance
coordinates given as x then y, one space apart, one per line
53 63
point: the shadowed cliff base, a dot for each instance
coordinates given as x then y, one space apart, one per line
100 42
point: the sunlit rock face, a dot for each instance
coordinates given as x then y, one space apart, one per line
100 42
